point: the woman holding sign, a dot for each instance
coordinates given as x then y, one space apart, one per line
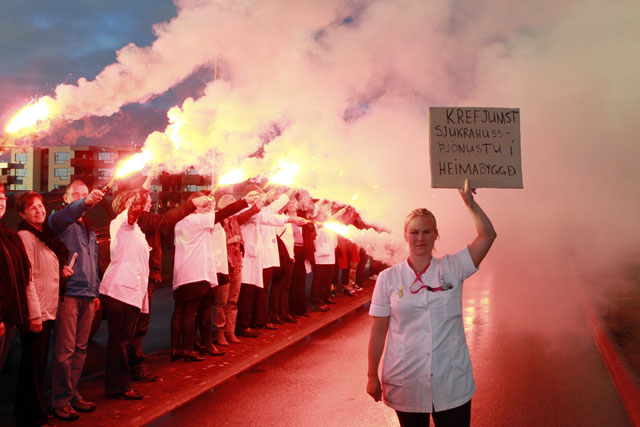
417 307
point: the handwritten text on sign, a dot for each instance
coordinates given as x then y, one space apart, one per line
482 144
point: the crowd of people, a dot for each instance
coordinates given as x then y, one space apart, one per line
240 267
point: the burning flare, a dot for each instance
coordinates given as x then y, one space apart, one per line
133 164
32 116
234 176
286 174
336 227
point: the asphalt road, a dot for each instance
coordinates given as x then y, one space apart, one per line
526 374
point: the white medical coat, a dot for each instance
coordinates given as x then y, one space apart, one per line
426 362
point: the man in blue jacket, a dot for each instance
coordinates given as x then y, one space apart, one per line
80 301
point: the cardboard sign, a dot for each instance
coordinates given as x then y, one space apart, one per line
482 144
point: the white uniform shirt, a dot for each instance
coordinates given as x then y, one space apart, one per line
252 263
220 249
426 362
194 258
127 276
270 255
325 246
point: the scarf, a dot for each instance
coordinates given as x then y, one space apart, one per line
60 249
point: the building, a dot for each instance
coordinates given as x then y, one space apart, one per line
53 168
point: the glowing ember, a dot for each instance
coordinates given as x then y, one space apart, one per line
133 164
286 174
30 115
232 177
336 227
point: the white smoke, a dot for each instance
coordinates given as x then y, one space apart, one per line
343 87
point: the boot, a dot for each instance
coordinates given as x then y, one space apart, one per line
222 340
231 337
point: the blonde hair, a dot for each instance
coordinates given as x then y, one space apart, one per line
421 212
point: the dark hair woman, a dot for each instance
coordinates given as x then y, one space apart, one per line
14 278
48 256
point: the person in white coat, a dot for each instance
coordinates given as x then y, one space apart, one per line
194 277
324 262
252 300
124 290
417 307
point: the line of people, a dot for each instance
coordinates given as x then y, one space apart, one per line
239 266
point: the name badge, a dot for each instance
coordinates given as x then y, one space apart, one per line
400 291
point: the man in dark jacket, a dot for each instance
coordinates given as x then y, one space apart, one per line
80 301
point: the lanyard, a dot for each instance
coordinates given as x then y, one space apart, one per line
418 278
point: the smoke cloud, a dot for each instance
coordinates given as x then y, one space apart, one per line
343 89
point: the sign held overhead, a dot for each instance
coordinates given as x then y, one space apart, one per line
482 144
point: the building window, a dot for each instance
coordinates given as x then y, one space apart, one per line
61 157
21 158
191 188
191 171
62 173
105 173
21 172
107 157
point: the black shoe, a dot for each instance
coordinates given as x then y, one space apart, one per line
248 333
270 326
140 373
276 320
66 413
176 355
126 395
349 292
82 405
289 319
192 357
329 301
323 308
211 350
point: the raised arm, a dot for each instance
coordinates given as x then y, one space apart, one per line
376 346
486 234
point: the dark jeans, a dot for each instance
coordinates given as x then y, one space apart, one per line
121 323
183 322
261 312
204 316
279 297
297 295
454 417
321 285
29 407
136 355
246 306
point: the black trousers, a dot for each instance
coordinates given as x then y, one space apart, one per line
261 313
29 407
204 317
121 323
134 349
297 295
183 322
280 289
455 417
321 286
247 301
